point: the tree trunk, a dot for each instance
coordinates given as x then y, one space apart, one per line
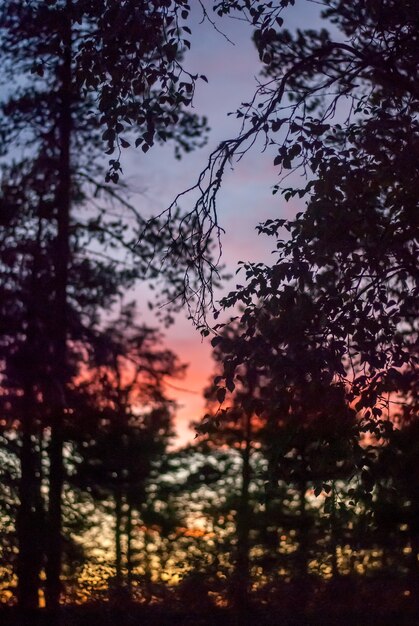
303 533
30 515
29 522
334 534
413 571
128 531
241 589
302 554
270 531
118 538
56 475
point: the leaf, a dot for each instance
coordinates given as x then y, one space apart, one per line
230 384
276 125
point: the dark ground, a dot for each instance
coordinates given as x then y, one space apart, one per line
346 602
153 616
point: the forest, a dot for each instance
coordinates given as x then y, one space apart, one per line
297 502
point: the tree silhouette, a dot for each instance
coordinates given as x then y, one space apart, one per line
344 282
319 362
238 427
287 412
125 425
79 86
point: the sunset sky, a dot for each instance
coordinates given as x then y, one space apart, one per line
246 198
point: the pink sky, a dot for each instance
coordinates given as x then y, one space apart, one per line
246 197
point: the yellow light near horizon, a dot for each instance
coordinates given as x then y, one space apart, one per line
41 599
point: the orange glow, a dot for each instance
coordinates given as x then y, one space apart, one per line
188 392
197 533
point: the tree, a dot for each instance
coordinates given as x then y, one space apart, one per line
332 321
205 480
344 115
283 412
79 86
126 424
239 428
336 310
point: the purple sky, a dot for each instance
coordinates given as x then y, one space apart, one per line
246 197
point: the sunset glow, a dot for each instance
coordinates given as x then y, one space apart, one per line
208 313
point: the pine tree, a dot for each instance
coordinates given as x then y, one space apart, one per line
75 90
123 425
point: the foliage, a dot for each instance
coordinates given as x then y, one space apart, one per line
128 57
70 237
122 423
338 304
305 485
